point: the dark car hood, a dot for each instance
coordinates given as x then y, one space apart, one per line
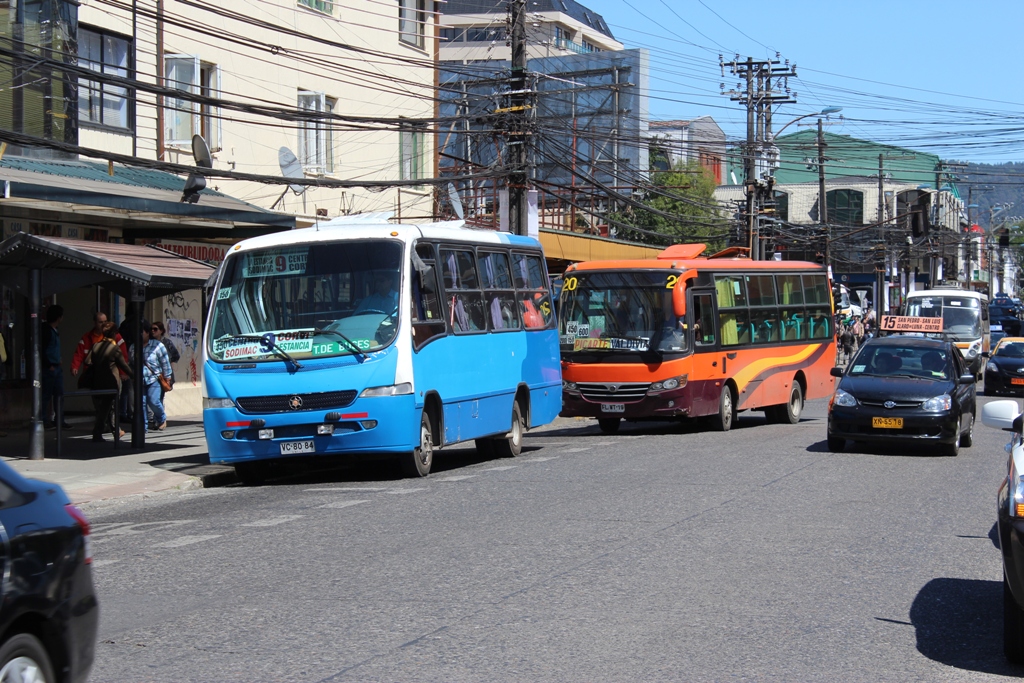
1006 362
870 388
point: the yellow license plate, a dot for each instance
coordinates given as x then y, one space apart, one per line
887 422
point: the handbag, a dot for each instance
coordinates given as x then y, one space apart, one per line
88 377
165 383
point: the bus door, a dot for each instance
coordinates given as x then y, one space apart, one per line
707 366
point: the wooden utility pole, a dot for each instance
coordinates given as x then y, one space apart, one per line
822 204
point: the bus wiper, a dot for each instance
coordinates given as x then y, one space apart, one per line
351 344
268 341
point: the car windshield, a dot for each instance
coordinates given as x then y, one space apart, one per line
625 311
1011 350
326 299
890 360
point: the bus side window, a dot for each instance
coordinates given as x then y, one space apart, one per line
462 296
531 278
427 316
703 320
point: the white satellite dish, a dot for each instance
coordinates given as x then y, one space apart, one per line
453 197
201 152
291 168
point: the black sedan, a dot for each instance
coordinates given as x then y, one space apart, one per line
1004 372
48 608
904 389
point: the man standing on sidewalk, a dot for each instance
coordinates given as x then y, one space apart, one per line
90 338
49 358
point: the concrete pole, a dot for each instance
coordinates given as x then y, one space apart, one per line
35 444
139 416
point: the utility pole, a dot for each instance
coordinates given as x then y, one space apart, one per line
764 84
517 195
822 205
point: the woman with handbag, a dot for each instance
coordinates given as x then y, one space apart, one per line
156 369
103 367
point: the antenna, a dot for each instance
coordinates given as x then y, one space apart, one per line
453 197
291 167
196 183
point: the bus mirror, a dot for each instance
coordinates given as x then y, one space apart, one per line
679 298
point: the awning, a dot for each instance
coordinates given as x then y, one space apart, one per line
69 264
567 246
143 201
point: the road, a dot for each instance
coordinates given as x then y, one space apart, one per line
664 552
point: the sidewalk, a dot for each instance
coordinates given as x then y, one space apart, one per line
173 459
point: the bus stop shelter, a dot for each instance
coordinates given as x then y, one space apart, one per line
37 266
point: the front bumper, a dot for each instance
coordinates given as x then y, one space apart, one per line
854 423
396 430
665 404
1002 383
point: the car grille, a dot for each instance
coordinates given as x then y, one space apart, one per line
899 404
283 403
620 393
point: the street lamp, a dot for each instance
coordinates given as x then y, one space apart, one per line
824 112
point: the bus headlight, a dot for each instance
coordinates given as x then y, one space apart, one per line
973 350
394 390
217 403
668 384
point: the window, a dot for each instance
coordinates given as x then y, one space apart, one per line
412 20
462 295
316 138
531 279
184 118
845 207
411 153
500 298
712 163
325 6
427 317
103 103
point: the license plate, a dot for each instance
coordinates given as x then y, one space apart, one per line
887 422
613 407
996 328
1017 380
296 447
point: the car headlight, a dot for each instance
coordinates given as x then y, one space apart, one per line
668 384
570 387
844 399
392 390
217 403
943 402
1016 491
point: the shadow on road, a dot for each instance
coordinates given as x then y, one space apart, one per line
959 623
683 425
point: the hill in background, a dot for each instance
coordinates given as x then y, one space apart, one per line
1005 183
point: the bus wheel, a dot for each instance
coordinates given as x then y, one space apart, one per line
417 463
791 411
609 425
511 445
726 410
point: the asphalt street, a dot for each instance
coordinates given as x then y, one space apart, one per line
665 552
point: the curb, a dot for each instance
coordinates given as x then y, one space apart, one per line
209 480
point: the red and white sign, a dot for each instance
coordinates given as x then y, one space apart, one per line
209 253
901 323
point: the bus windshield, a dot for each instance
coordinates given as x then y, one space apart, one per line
961 316
626 311
307 301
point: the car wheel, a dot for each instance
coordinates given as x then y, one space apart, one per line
512 445
967 438
417 463
953 449
726 410
836 444
609 425
1013 626
23 659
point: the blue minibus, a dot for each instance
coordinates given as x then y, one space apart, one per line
377 338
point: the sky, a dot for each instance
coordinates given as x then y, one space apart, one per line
935 76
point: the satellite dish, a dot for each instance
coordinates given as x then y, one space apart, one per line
195 182
453 197
291 168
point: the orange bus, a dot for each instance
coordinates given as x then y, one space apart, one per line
687 335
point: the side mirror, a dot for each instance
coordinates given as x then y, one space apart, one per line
1001 415
836 372
679 298
967 379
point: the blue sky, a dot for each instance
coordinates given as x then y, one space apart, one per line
937 76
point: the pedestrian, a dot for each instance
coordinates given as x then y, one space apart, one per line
89 340
155 362
847 340
858 332
109 363
49 358
159 333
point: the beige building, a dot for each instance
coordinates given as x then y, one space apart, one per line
474 30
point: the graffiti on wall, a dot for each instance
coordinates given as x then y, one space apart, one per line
181 319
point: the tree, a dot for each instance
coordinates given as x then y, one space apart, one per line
681 206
